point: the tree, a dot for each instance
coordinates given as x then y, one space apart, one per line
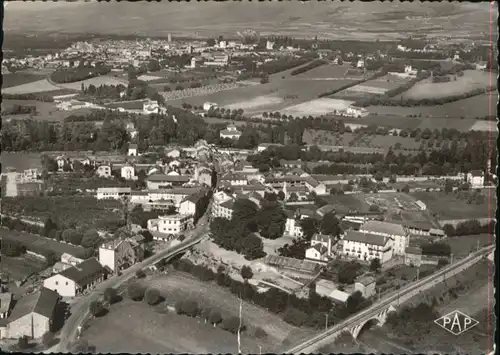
246 272
50 258
375 265
231 324
48 226
95 308
374 208
214 317
110 295
135 292
48 339
190 307
140 274
330 225
152 296
449 230
295 316
90 239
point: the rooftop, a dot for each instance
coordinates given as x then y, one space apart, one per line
383 227
82 272
367 238
42 302
167 178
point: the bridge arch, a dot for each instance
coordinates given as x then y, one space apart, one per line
378 319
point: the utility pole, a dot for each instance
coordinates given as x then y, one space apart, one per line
477 246
239 328
451 261
418 273
260 349
326 321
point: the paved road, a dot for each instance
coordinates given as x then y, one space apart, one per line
310 345
79 310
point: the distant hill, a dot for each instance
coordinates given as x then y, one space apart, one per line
346 20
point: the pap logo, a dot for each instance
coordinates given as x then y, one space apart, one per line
456 322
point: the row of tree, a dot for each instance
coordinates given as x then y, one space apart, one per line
310 66
294 310
62 76
35 96
470 227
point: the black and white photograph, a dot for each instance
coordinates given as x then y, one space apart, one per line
248 177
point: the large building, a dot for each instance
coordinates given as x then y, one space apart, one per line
159 181
119 254
231 132
174 224
31 316
113 193
76 280
366 246
394 231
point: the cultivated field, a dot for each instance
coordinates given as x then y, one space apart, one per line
316 107
16 79
448 207
426 89
278 94
97 81
19 268
377 86
463 125
46 111
155 330
36 241
129 105
461 246
329 72
38 86
476 106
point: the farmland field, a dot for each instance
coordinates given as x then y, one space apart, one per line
130 105
274 96
38 86
476 106
316 107
463 125
448 207
21 267
32 240
158 330
16 79
46 111
426 89
329 72
377 86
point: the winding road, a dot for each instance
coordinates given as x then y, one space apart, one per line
80 309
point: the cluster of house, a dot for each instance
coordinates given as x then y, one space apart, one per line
373 239
33 315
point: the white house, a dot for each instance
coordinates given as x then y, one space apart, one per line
475 178
231 132
396 232
77 279
188 205
174 224
223 210
208 105
365 246
292 226
104 171
365 285
128 172
106 193
151 106
132 150
120 254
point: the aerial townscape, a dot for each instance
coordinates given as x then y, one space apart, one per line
324 182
